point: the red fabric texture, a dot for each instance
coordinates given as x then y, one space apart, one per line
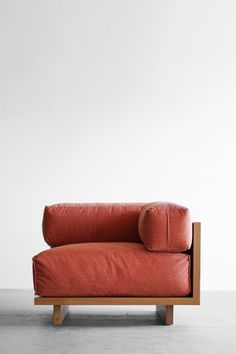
74 223
110 269
165 227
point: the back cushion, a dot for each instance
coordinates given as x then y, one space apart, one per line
76 223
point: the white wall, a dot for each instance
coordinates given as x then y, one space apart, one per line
117 101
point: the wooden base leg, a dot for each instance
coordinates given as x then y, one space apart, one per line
59 313
166 312
169 315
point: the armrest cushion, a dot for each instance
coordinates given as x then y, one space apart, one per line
165 227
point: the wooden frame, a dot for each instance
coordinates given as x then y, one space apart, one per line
60 304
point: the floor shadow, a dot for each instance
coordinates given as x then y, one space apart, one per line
111 320
26 318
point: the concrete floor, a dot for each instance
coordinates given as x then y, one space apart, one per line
209 328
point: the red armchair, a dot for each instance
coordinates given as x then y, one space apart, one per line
120 254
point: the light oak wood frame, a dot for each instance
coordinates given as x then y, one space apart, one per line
164 305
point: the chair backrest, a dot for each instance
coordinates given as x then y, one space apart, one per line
76 223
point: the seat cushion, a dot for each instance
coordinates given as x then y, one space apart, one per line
110 269
74 223
165 227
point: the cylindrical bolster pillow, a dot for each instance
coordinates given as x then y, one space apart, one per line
165 227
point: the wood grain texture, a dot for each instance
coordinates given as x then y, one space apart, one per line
166 313
59 313
169 318
196 262
114 301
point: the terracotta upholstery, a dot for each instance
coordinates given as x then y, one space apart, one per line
165 227
104 250
74 223
110 269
